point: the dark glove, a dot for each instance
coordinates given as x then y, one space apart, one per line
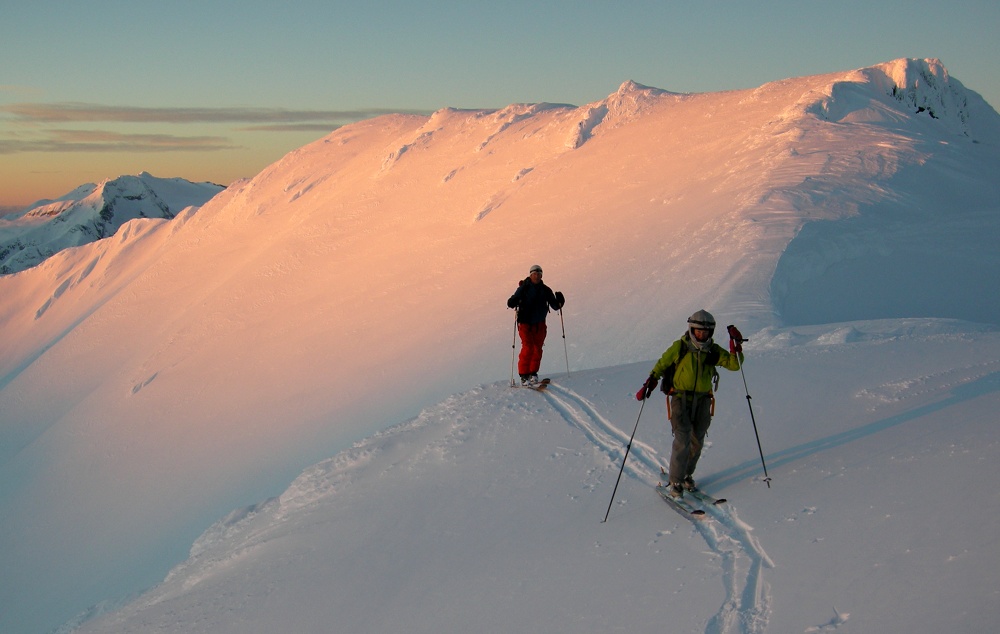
713 356
735 340
647 388
560 300
512 303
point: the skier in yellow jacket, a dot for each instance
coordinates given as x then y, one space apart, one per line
688 370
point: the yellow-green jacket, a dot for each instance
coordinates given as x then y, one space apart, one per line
696 369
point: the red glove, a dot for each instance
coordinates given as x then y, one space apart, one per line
735 340
647 388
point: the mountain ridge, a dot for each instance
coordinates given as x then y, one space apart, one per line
364 275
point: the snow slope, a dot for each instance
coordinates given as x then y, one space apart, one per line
91 212
484 513
153 381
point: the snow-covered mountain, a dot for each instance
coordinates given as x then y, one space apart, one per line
92 212
153 381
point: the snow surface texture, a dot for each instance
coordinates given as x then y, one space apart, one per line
154 381
484 512
91 212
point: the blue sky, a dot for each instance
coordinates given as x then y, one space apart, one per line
218 90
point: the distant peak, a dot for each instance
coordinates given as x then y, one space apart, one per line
919 88
631 87
95 211
925 87
630 101
908 71
632 96
919 80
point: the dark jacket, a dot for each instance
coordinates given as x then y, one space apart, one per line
532 301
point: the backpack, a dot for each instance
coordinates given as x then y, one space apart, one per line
667 382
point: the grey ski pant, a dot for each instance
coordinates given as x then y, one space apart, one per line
690 416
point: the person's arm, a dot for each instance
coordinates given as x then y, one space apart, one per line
515 299
728 360
666 360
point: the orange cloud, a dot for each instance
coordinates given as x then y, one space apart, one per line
106 141
83 112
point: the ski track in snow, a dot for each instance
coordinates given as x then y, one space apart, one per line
747 606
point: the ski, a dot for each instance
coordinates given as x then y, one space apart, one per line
680 505
540 385
706 498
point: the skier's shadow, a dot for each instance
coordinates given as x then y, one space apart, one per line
981 386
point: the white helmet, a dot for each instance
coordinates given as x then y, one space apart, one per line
701 320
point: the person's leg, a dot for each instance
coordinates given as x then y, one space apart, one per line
699 428
680 451
538 341
524 358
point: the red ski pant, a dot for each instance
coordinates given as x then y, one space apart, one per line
532 340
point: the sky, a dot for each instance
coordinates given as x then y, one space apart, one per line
216 91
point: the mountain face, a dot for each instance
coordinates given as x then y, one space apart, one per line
93 212
365 275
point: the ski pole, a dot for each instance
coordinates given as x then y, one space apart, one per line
767 478
513 351
627 449
565 349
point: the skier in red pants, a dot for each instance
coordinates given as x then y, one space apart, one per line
532 299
